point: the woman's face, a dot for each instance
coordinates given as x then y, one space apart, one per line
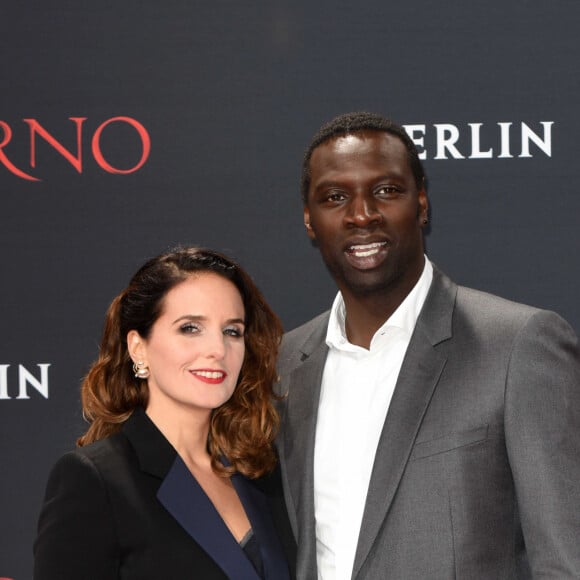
196 347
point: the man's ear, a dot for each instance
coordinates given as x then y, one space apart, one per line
309 230
423 209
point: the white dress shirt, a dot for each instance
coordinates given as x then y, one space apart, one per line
357 386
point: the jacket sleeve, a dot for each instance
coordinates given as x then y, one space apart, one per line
76 532
542 424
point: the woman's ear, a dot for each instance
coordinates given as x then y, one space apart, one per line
136 347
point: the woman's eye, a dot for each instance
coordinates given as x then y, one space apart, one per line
234 332
189 328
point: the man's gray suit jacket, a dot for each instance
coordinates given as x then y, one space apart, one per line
477 470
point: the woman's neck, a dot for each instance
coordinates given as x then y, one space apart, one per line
185 428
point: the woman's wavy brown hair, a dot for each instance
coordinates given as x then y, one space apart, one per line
242 429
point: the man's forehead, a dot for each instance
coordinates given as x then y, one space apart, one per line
359 143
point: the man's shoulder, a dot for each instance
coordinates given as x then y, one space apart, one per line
500 316
310 333
476 302
483 311
304 331
486 302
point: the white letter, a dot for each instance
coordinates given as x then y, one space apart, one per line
505 140
419 141
4 382
444 143
25 377
544 144
476 152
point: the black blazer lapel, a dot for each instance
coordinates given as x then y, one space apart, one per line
418 378
257 509
154 453
186 501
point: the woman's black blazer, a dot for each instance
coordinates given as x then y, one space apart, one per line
127 507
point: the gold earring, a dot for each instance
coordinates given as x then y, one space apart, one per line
140 370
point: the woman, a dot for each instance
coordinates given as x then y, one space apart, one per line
170 480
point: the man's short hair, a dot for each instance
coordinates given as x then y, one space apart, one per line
357 122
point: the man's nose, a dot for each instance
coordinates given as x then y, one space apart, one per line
363 212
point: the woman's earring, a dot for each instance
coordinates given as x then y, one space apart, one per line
140 370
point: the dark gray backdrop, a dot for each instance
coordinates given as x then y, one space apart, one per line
229 94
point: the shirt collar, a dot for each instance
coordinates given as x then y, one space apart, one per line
404 317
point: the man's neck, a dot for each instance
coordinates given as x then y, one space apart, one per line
365 316
366 313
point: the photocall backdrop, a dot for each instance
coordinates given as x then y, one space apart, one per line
129 127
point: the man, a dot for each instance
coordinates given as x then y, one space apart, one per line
430 431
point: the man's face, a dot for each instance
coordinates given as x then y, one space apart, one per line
366 213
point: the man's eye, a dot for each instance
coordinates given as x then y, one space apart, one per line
234 332
335 196
189 328
386 190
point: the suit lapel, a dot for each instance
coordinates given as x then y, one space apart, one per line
297 451
417 380
154 453
186 501
258 511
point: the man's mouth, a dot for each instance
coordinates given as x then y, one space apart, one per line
365 250
367 256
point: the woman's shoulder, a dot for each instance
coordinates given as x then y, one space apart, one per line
103 456
103 449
